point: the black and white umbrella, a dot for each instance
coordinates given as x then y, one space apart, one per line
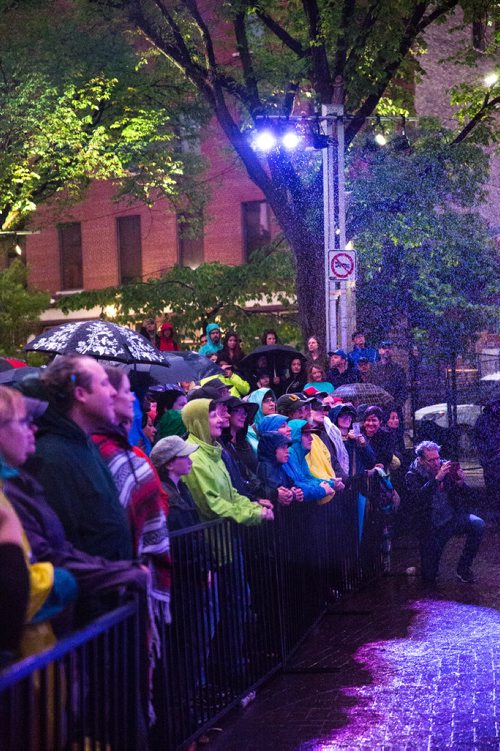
99 339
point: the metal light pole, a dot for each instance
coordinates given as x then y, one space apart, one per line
338 294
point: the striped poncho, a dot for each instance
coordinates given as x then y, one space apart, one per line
142 495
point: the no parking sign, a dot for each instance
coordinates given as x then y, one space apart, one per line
342 265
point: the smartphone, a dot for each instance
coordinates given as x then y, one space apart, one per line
356 428
454 467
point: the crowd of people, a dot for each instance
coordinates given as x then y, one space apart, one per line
90 497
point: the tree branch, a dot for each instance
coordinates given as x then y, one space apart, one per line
282 34
342 38
320 67
240 33
487 106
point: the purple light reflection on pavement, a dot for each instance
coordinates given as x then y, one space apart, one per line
429 689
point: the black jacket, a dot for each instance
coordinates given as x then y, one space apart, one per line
79 487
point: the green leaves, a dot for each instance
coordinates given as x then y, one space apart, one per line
19 308
236 296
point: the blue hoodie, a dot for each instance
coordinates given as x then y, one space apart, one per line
271 423
210 348
297 467
257 397
271 472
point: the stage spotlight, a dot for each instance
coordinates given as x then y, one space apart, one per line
290 140
264 140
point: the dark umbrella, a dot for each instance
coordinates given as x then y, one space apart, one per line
278 357
99 339
364 393
16 375
173 371
202 366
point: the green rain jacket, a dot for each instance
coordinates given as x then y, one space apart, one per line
209 480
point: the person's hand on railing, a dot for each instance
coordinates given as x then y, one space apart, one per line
338 484
285 496
267 514
327 488
298 494
265 502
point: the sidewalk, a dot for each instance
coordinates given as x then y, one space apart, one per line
392 668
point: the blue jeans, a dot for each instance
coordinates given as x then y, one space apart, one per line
433 544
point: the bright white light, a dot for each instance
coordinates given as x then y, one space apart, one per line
380 139
490 79
264 140
290 140
18 249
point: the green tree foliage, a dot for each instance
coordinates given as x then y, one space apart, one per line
20 308
248 60
428 262
192 297
82 100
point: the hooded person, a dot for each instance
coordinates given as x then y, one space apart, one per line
273 454
166 338
354 454
214 343
314 489
275 423
168 413
209 480
266 402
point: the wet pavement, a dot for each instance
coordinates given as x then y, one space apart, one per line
393 667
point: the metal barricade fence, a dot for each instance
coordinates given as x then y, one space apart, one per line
243 598
84 693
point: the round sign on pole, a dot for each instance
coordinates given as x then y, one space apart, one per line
343 265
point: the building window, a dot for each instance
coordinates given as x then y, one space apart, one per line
190 240
70 253
256 226
129 248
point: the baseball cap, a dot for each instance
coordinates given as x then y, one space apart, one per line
291 402
170 448
313 393
215 390
250 407
339 352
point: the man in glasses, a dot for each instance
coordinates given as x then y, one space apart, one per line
438 491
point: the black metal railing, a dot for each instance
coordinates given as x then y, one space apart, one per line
84 693
243 598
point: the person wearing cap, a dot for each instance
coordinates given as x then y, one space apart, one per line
236 384
354 455
364 369
266 403
317 379
319 458
340 371
171 457
295 406
314 489
148 330
213 344
209 480
359 349
238 455
214 389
